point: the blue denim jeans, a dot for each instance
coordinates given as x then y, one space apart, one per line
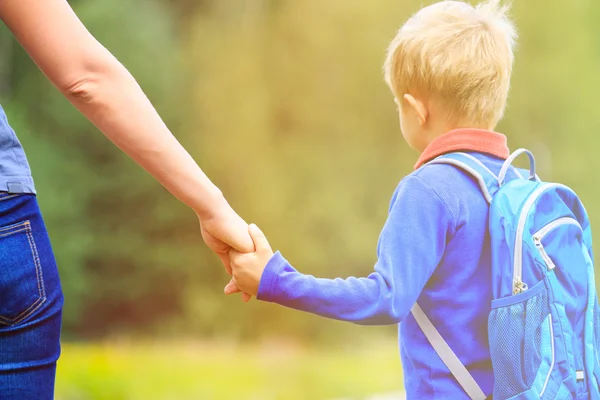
31 302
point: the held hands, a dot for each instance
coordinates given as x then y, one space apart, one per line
223 231
247 268
244 250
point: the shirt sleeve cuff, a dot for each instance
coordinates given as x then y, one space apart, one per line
270 276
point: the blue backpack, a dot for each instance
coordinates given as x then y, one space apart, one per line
544 324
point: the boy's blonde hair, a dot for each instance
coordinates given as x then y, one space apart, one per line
459 54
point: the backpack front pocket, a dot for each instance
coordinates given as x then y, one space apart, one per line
522 344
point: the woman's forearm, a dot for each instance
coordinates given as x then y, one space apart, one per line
110 98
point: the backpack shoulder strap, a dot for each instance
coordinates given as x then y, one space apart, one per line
488 181
443 350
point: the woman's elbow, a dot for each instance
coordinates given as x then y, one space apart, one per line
82 89
87 84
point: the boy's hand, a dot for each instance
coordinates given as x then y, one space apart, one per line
225 231
247 268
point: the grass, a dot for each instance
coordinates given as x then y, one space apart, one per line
182 371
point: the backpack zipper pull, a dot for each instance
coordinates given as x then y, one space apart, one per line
519 286
537 239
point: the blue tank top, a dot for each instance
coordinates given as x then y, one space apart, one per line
15 175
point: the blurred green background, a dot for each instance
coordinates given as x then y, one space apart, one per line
282 103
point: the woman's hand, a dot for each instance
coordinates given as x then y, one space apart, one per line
223 232
247 268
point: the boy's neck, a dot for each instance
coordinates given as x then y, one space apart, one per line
437 127
465 139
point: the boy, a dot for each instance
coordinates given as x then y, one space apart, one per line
449 69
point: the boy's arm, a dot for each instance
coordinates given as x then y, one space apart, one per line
410 247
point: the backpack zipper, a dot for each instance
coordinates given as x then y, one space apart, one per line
539 235
518 285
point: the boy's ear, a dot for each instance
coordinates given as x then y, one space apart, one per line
418 107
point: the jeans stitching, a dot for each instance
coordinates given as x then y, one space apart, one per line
5 234
38 264
38 272
19 225
36 304
10 196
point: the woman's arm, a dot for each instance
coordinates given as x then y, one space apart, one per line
106 93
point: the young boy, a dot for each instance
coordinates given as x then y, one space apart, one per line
449 69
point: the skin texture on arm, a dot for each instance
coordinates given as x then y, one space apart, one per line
99 86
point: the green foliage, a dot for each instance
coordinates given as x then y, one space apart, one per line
282 102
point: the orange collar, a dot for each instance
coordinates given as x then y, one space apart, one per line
479 140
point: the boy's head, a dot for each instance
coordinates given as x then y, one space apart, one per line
449 67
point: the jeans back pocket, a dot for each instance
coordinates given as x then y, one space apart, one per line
21 283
